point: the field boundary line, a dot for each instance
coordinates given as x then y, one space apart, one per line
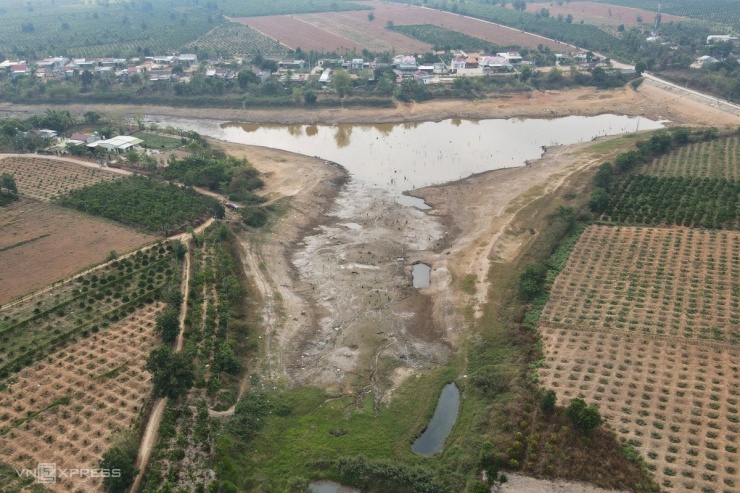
637 335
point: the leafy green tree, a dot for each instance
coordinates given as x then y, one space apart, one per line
548 401
245 78
120 457
640 67
342 83
309 96
168 324
584 418
172 373
86 77
603 177
525 73
225 360
7 183
599 201
681 136
532 281
520 5
371 17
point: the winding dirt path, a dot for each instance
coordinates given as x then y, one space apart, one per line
149 440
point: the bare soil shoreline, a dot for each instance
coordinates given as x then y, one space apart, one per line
649 100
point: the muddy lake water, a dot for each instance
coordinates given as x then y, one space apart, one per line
403 157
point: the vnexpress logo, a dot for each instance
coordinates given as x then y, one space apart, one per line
46 473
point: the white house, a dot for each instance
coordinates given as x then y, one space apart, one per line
357 64
457 63
513 57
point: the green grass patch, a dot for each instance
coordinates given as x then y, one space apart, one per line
153 141
467 284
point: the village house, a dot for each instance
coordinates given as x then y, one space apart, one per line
405 63
493 64
458 63
19 70
513 57
290 64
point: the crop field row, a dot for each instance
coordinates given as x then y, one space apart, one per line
110 29
687 201
42 243
670 282
370 34
234 39
407 15
248 8
675 403
445 39
602 14
66 408
713 159
721 11
296 33
45 179
84 306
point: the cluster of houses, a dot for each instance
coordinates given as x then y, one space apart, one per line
118 145
180 68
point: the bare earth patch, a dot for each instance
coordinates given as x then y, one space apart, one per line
41 243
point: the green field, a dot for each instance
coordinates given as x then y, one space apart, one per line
714 159
153 141
144 203
74 28
446 39
232 39
251 8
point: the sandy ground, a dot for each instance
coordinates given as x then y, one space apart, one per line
650 101
522 484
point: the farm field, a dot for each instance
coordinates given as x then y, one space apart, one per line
668 282
721 11
713 159
75 28
602 14
234 39
296 33
648 333
444 39
45 179
41 243
673 401
351 30
67 408
405 15
248 8
39 324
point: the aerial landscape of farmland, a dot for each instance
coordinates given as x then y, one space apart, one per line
345 246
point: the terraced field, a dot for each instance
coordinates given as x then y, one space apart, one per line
45 179
648 332
713 159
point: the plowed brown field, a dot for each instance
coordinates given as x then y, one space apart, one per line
346 31
602 14
648 332
41 243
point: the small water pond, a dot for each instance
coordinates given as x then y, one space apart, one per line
421 274
433 439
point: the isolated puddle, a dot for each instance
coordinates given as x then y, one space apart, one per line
406 156
432 441
421 274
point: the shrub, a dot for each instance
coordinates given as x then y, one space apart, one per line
584 418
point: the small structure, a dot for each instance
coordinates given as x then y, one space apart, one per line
495 64
405 63
325 76
457 63
721 38
290 64
704 60
188 59
118 144
357 64
513 57
19 70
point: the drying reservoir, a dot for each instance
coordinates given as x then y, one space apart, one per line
433 439
403 157
421 274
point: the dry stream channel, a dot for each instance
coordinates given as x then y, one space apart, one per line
372 277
